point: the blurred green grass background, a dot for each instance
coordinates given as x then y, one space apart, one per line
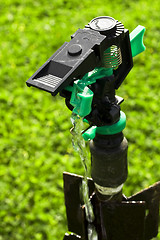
35 142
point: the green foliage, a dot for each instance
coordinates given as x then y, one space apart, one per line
35 143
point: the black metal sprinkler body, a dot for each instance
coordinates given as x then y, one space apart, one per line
86 72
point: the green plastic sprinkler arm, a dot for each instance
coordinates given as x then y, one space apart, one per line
82 96
136 39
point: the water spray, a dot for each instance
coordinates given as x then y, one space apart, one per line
87 71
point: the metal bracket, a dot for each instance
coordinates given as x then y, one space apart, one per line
135 217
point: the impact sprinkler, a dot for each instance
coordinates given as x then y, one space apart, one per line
87 71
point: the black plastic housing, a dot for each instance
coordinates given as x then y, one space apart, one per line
82 54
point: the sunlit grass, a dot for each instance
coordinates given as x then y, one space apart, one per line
35 142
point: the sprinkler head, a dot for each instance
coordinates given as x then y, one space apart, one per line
83 54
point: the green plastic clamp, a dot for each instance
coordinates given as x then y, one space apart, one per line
106 130
136 39
81 97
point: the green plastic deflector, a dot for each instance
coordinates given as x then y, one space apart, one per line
81 98
136 39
